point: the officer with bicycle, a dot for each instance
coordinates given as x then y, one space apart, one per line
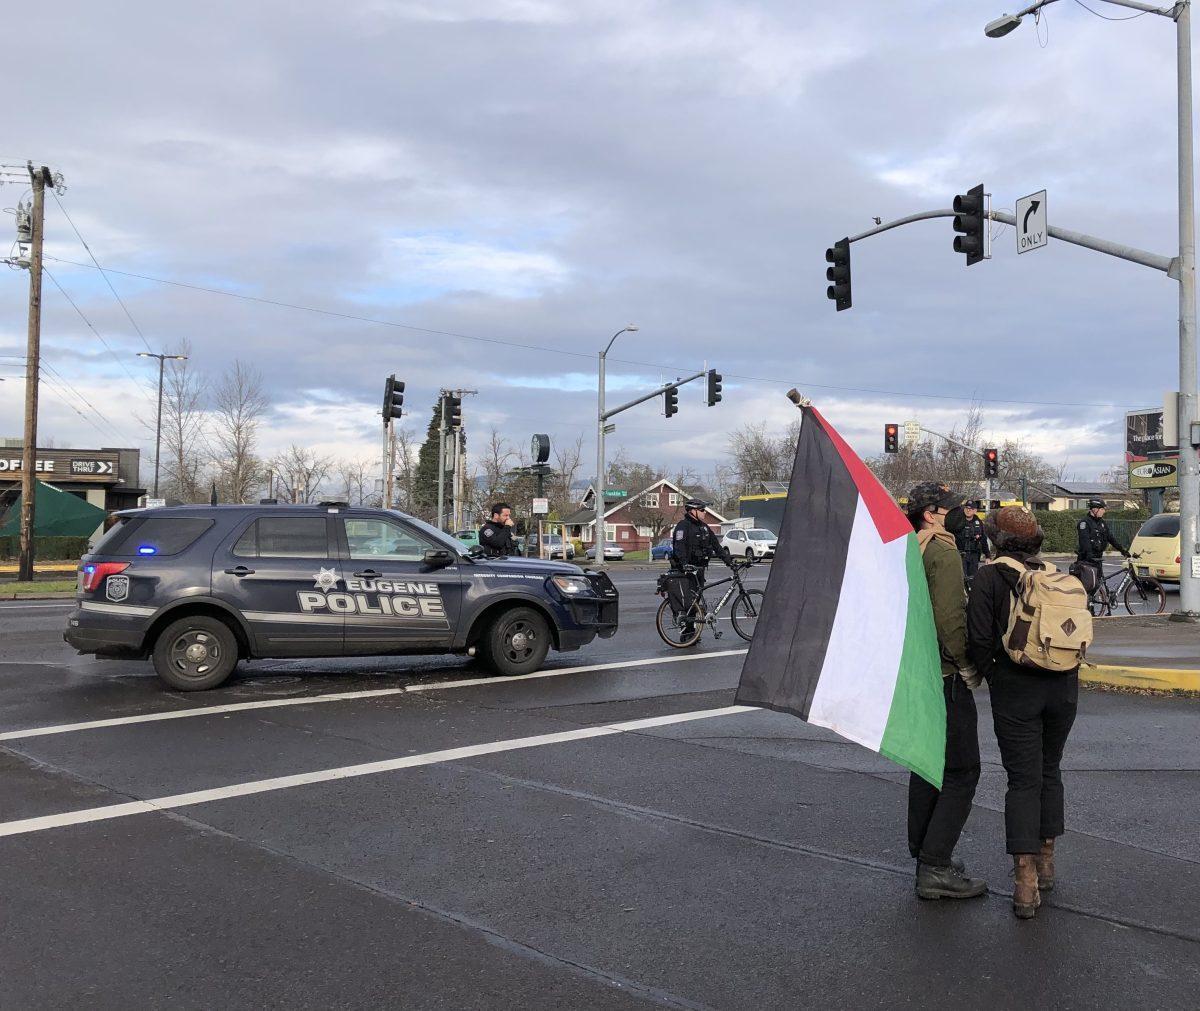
1094 537
972 541
693 543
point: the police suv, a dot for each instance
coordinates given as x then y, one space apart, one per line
198 588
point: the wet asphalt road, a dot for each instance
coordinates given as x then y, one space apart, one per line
741 860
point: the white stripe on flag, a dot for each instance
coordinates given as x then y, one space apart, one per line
858 678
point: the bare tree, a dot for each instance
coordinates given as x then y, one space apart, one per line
239 403
183 429
405 469
497 459
567 461
299 473
357 480
758 456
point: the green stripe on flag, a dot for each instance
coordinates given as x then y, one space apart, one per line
915 735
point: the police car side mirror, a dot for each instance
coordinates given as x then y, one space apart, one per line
474 551
438 558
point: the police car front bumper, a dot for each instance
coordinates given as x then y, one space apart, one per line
592 616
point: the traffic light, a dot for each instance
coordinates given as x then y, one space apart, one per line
968 221
452 411
891 438
393 398
671 400
714 387
839 274
991 463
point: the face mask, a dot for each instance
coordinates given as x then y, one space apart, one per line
956 519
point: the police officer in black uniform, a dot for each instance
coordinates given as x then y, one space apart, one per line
694 543
496 534
972 541
1094 537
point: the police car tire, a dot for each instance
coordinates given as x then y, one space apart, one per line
495 647
202 624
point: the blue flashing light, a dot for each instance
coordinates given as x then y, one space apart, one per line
147 549
89 568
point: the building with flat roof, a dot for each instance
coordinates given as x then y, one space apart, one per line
106 478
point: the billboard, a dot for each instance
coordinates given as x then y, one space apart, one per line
1144 436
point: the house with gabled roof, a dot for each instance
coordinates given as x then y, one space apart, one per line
635 520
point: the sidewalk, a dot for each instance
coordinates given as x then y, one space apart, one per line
1150 652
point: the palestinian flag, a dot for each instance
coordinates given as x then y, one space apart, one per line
846 637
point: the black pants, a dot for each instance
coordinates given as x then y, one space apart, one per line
970 565
1032 714
936 817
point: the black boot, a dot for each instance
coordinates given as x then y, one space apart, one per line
947 883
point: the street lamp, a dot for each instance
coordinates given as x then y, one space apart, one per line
162 360
599 490
1184 271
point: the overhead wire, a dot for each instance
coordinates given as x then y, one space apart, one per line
108 347
96 262
67 383
278 303
1109 17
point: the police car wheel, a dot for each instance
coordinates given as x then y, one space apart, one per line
195 653
516 642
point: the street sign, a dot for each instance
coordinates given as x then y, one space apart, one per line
1155 474
155 503
615 493
541 506
912 433
1031 222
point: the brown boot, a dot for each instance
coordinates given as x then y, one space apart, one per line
1045 866
1025 886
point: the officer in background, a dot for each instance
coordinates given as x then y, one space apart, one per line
496 534
694 543
972 541
1094 537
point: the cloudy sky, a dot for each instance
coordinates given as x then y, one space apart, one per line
502 184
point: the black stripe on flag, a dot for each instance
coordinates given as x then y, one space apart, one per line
784 663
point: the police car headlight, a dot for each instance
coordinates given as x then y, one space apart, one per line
571 585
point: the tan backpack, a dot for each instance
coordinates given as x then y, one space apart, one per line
1049 624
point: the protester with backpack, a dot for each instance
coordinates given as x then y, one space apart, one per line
1028 629
936 817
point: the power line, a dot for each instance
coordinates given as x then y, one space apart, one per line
1109 17
562 351
65 382
83 241
89 325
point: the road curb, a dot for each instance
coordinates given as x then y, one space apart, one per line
1154 679
63 595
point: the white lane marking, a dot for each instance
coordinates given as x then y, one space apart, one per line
556 672
235 707
108 812
35 607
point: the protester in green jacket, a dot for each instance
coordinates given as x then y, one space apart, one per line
936 817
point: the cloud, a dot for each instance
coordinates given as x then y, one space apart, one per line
538 173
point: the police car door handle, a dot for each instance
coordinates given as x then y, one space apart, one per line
367 574
239 570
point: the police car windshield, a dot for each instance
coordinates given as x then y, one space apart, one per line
440 536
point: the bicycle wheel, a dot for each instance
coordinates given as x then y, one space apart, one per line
679 632
745 612
1145 595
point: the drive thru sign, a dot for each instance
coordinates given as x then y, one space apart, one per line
1031 222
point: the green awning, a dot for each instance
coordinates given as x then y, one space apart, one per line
55 514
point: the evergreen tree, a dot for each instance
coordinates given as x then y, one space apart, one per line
425 489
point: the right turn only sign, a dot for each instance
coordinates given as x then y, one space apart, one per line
1031 222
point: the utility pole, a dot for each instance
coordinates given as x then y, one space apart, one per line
38 179
441 477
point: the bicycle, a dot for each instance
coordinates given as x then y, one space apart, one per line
1141 594
683 630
